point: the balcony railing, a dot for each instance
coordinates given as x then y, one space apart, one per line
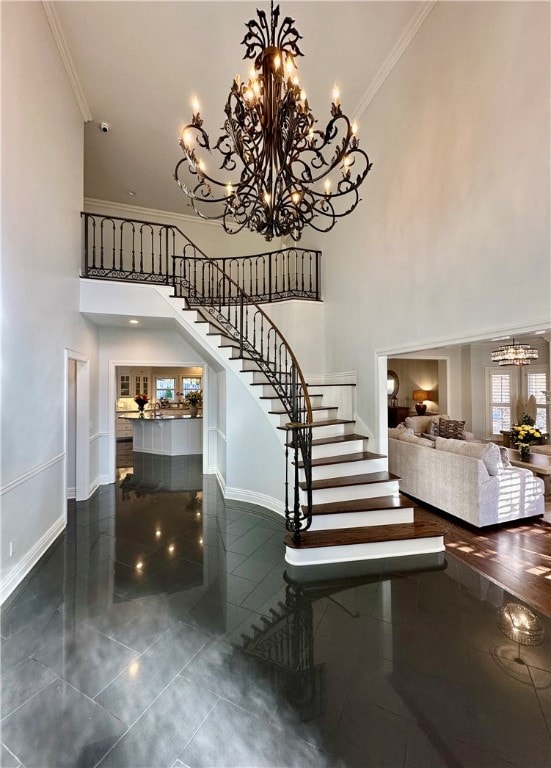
143 252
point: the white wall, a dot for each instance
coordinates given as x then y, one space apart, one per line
255 459
42 182
454 221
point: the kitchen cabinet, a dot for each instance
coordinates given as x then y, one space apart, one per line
133 381
123 428
123 382
141 383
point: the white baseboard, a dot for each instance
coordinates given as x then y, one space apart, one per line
94 485
221 482
252 497
71 493
31 558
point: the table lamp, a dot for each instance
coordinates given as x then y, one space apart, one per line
418 396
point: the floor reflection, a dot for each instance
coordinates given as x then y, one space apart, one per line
165 629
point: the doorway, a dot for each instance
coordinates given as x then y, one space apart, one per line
77 393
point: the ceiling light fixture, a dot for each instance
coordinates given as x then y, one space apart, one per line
514 354
291 174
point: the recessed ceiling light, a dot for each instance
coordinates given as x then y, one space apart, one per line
500 338
130 193
134 322
539 333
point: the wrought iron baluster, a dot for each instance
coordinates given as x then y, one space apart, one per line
94 242
85 246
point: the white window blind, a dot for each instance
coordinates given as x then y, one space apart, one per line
500 402
536 384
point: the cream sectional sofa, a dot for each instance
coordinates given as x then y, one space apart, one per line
465 479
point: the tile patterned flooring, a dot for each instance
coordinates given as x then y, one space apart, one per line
165 629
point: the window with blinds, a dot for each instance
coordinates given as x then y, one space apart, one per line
500 402
536 384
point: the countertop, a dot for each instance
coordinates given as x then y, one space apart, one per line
150 416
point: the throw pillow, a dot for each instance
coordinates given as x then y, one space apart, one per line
451 428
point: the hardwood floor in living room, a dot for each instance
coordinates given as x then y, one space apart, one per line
516 556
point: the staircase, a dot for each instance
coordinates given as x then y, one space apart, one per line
357 511
341 503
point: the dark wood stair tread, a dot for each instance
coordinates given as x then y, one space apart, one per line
362 505
339 439
344 458
314 408
365 535
343 482
327 423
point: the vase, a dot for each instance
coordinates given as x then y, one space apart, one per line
141 406
524 449
193 411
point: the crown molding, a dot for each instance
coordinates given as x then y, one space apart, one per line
394 56
66 58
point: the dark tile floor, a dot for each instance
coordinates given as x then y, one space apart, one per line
165 629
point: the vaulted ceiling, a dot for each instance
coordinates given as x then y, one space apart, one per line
138 64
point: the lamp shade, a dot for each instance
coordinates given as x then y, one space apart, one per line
420 394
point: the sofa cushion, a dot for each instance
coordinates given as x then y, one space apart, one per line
421 424
395 432
409 437
451 428
486 452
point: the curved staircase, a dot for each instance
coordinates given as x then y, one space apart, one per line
357 511
341 503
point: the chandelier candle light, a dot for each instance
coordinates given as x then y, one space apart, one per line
281 172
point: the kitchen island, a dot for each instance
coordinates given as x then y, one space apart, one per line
166 435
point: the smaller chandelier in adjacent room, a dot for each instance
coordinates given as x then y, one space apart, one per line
520 624
280 172
514 354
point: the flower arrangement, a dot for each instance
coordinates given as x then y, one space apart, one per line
523 436
195 397
525 433
141 400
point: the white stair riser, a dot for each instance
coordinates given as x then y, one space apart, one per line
337 449
349 492
275 403
367 551
332 430
346 469
361 519
324 415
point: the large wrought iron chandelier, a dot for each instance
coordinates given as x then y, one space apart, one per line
514 354
281 172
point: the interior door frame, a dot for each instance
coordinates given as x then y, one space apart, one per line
82 421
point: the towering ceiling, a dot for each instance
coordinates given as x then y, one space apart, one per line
140 63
